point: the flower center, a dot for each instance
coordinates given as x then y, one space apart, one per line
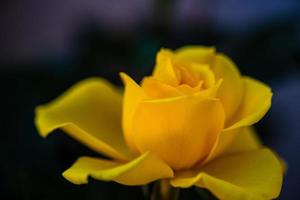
197 76
179 78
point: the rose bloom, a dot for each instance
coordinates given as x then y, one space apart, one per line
188 123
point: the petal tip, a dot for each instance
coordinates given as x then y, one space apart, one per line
79 178
38 121
126 79
73 180
123 76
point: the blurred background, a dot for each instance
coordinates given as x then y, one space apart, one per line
46 46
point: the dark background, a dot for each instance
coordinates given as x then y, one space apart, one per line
46 46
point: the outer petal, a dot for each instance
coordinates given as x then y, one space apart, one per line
234 141
134 94
250 175
245 140
256 102
180 130
90 112
197 54
142 170
231 91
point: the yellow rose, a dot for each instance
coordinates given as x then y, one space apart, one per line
189 122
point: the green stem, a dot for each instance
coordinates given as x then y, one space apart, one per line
163 191
205 194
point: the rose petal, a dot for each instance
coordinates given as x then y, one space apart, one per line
250 175
180 130
164 70
157 90
245 140
142 170
132 97
231 91
197 54
90 112
233 141
256 102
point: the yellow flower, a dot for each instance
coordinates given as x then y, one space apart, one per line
189 122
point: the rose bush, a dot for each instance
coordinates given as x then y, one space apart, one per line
189 122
